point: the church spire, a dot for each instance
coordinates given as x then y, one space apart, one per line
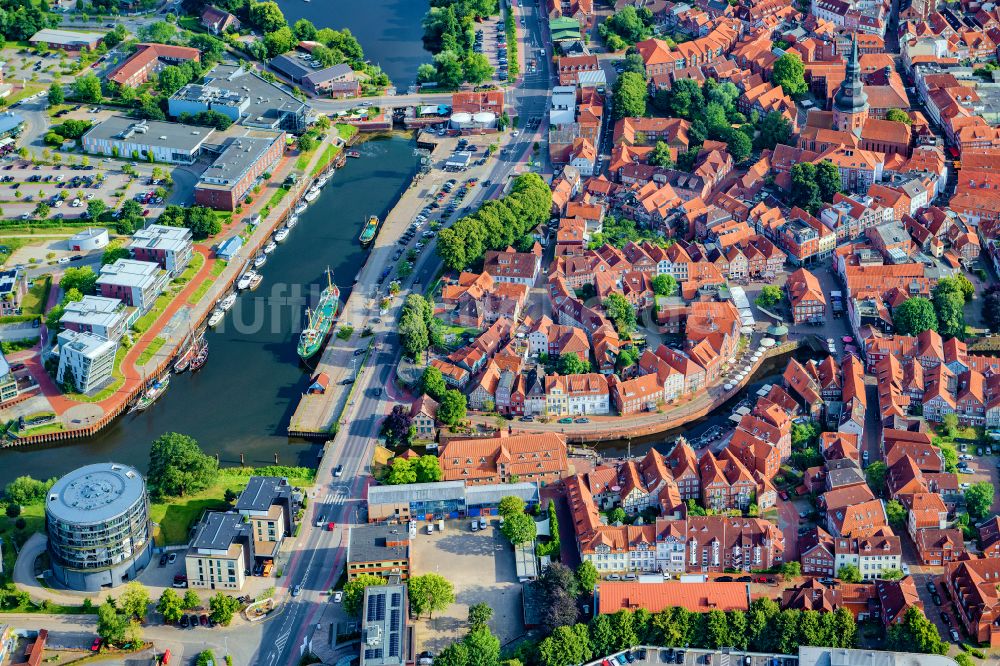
850 103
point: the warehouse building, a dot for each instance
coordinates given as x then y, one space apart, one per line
173 143
67 40
445 499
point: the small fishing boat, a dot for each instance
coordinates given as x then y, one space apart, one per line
244 281
199 360
270 247
301 207
281 234
292 221
369 231
311 195
259 260
227 302
353 153
151 394
216 317
255 281
184 360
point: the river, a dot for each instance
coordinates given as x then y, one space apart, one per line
241 401
389 30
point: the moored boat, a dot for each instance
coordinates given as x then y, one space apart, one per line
322 181
155 390
227 302
255 281
353 153
280 235
270 247
320 320
370 230
184 360
292 221
244 281
300 207
216 317
259 260
311 195
199 359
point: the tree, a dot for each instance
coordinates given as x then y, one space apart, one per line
479 615
267 16
114 251
849 574
171 79
191 600
805 191
949 298
449 72
222 608
914 316
305 30
111 625
42 210
738 144
991 308
169 606
477 69
899 116
828 180
87 89
774 128
452 409
617 516
915 634
25 490
716 629
661 156
629 96
519 528
896 513
279 41
566 646
979 499
586 576
430 592
510 505
455 654
397 428
789 73
134 601
432 383
664 285
620 312
427 469
875 474
891 574
571 364
56 94
770 295
354 592
482 646
177 466
95 209
400 472
790 570
13 510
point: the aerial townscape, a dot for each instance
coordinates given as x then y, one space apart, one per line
500 332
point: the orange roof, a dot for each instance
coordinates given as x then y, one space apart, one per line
654 597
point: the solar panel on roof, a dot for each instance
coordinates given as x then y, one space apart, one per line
394 644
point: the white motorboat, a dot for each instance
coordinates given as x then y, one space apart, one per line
301 207
311 195
321 183
244 281
270 247
216 317
255 281
292 221
281 234
259 260
227 302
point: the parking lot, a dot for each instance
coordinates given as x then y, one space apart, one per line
491 40
650 656
481 567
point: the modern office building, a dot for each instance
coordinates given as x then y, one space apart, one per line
135 283
86 360
245 97
106 317
385 636
121 136
170 247
444 499
269 505
221 554
380 550
237 169
97 520
8 382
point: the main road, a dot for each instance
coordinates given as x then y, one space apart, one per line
316 563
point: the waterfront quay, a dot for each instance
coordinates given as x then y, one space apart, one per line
186 313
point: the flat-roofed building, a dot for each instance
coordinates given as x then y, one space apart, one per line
89 239
170 247
135 283
380 550
267 504
13 287
106 317
8 382
221 552
314 81
121 136
86 360
385 636
67 40
242 162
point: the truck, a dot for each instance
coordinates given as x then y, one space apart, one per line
268 565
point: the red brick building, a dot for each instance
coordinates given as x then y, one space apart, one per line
242 162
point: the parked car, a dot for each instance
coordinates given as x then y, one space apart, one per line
184 621
954 635
338 596
172 558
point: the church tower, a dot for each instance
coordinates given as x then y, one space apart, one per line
850 103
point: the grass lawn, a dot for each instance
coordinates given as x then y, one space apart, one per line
34 301
143 323
218 267
346 131
150 351
200 292
324 161
303 161
29 90
276 198
197 261
10 246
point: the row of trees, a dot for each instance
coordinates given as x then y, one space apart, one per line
424 469
498 224
418 328
201 220
944 312
449 33
428 594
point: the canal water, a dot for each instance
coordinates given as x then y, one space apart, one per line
389 31
241 401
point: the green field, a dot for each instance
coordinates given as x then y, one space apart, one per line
150 351
143 323
34 301
200 292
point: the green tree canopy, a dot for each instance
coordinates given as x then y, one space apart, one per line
628 97
979 499
177 466
354 592
519 528
169 606
429 593
914 316
789 73
620 312
223 607
915 634
453 407
849 574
